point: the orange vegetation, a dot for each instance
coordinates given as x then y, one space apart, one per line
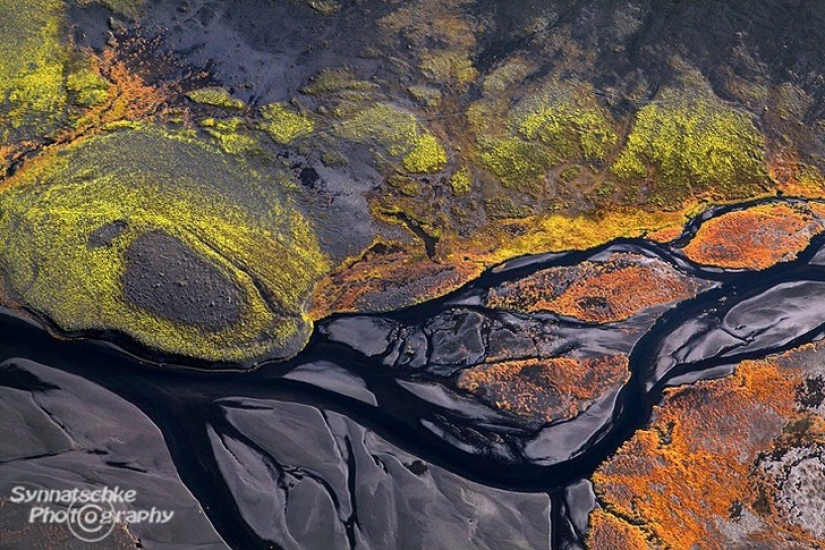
793 178
599 292
386 276
548 389
610 533
666 234
129 97
687 478
466 258
755 238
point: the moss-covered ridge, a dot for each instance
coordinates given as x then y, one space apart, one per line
75 224
688 146
550 127
395 132
32 69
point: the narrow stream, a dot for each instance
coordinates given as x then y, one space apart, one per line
211 421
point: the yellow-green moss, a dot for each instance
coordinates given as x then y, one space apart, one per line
336 80
426 96
461 182
230 135
443 66
509 74
33 95
234 218
518 163
325 7
127 8
392 131
427 157
283 125
692 145
87 87
406 185
567 129
549 127
217 97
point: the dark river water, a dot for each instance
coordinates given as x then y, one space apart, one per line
341 448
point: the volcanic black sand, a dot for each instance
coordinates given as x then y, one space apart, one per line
334 450
165 277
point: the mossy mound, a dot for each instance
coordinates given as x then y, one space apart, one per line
394 132
548 128
127 8
283 125
684 147
33 96
569 128
216 97
96 234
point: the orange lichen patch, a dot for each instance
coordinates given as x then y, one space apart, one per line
818 209
386 276
756 238
469 257
688 479
666 234
599 292
556 233
12 153
549 389
608 532
129 97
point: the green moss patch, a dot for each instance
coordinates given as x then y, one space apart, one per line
283 125
392 131
231 135
126 8
87 87
569 130
76 226
548 128
690 146
461 182
33 96
331 81
216 97
518 163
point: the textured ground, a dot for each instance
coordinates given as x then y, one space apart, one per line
325 184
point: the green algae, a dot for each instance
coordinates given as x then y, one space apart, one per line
216 97
149 180
392 131
283 125
33 96
692 145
